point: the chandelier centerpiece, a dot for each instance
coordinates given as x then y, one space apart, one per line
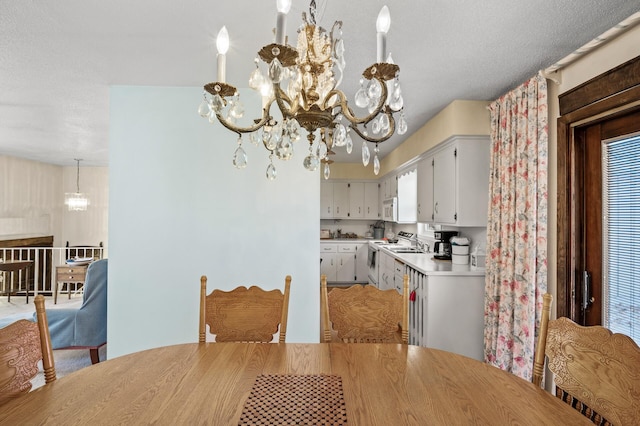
302 82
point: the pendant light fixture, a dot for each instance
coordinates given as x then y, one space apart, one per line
76 201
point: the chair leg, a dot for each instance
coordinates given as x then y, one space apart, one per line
95 357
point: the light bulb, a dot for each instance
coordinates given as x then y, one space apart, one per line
384 20
283 6
222 42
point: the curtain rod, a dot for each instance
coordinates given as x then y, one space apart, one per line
608 35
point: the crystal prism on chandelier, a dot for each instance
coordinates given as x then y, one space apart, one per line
302 82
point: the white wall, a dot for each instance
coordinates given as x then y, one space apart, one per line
179 209
30 198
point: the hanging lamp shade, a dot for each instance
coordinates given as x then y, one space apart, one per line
76 201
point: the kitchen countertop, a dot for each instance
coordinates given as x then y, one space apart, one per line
346 240
422 262
425 263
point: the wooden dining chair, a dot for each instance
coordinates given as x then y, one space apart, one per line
595 371
365 314
244 315
22 344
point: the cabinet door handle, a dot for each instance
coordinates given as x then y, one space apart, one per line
435 207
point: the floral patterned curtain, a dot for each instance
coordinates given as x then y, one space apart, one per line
516 269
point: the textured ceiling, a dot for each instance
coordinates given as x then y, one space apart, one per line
58 58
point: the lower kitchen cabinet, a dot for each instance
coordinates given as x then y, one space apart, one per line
447 312
344 262
387 271
328 263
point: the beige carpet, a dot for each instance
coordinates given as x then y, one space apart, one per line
67 361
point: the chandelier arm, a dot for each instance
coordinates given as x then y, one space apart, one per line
239 130
280 98
368 138
348 112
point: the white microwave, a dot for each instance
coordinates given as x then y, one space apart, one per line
390 209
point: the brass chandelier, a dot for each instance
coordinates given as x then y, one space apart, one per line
303 83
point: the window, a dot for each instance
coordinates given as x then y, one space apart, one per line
407 197
621 236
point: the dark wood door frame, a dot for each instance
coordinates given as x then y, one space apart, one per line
613 93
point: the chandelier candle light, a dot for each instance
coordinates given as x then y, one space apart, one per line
76 201
303 82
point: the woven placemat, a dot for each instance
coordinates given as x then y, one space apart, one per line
295 400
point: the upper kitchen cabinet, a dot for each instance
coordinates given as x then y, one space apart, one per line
444 185
390 187
371 200
326 200
340 200
460 176
425 190
349 200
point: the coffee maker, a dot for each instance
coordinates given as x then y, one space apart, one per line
442 247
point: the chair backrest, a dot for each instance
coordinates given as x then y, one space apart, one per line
365 314
595 370
22 344
244 315
94 291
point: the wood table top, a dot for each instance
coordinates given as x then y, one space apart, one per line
14 265
383 384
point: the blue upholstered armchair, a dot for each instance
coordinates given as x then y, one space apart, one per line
86 327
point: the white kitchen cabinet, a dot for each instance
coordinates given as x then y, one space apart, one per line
398 275
425 190
328 260
344 262
472 181
356 200
460 176
447 313
444 184
371 200
390 187
387 271
340 200
349 200
326 200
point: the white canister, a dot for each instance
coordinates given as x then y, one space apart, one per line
460 259
456 249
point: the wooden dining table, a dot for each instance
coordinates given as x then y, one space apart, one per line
237 383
